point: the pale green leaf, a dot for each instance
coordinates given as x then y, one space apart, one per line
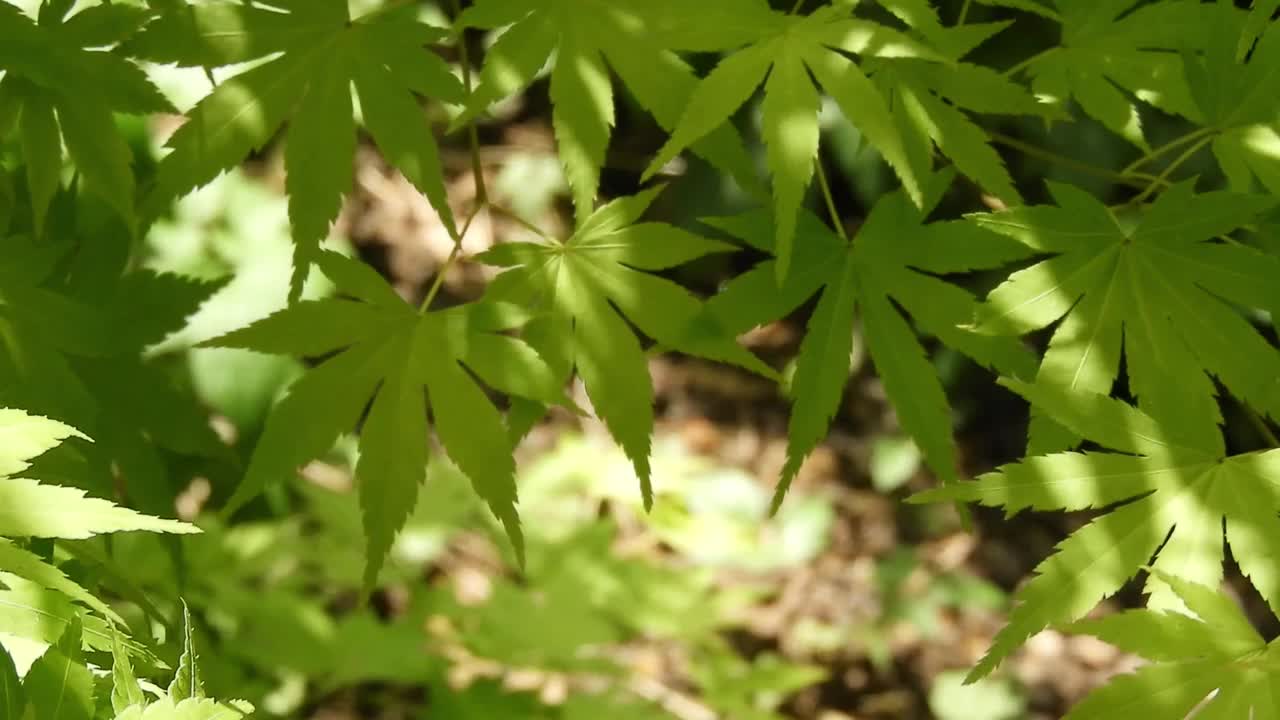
1173 690
319 157
613 369
470 428
12 699
1092 564
790 130
1067 481
910 381
866 109
189 709
965 143
582 100
58 685
822 369
663 84
402 135
186 681
125 690
321 405
716 98
1112 423
29 566
29 509
24 436
393 460
651 246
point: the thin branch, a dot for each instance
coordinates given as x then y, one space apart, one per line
511 215
826 194
1136 180
1025 63
1167 147
449 262
1163 178
473 135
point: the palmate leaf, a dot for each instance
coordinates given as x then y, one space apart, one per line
29 509
12 700
59 686
324 53
585 285
637 39
389 352
1178 488
1110 48
1159 290
37 613
186 683
125 689
929 101
1212 648
74 350
1238 101
190 709
890 267
783 53
64 94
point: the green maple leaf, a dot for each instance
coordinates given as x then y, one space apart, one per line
12 700
75 348
59 686
783 53
1237 100
55 92
637 39
186 683
189 709
389 351
31 509
1110 48
46 511
587 283
929 101
324 53
1178 487
1211 648
1159 290
889 267
125 690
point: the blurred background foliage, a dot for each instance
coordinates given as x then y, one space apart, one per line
846 605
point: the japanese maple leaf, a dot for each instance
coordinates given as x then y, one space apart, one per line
929 101
74 348
637 39
1173 487
1160 289
56 92
587 283
1209 649
1237 100
1108 48
891 266
388 351
783 52
324 53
